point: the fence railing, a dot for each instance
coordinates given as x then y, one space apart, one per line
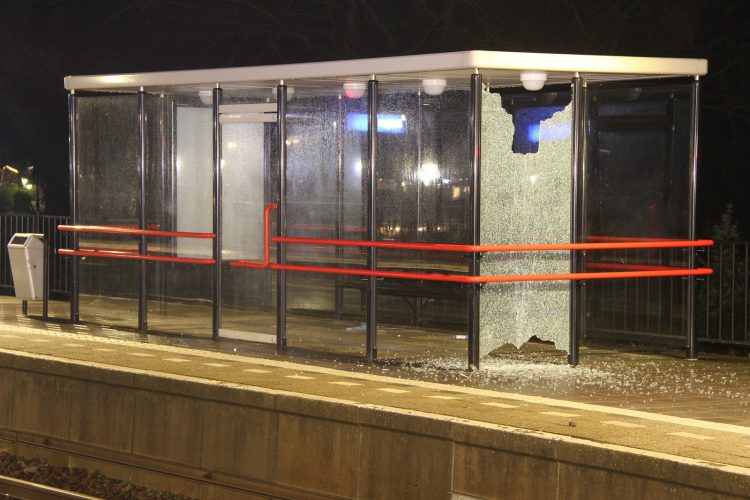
59 266
656 309
643 308
722 298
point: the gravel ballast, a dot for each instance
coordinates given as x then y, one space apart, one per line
78 480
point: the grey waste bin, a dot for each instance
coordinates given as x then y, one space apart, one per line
27 264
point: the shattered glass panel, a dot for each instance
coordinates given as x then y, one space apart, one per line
525 199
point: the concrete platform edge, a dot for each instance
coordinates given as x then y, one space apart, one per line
322 447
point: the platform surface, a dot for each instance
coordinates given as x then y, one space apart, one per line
657 403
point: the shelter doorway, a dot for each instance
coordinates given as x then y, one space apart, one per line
248 149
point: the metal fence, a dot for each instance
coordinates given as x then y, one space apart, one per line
59 266
722 298
643 309
655 310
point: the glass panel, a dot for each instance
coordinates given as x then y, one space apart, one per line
249 182
179 194
525 198
423 182
327 149
637 187
107 148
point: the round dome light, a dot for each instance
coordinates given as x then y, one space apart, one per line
207 97
354 90
533 80
434 86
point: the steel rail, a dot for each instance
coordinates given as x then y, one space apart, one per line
446 247
474 279
19 488
134 232
660 272
109 254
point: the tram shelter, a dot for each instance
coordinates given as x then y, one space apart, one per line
495 195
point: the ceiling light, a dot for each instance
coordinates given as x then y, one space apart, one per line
354 90
207 97
434 86
533 80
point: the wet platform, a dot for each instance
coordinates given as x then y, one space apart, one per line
639 407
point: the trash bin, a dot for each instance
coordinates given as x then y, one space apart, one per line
27 263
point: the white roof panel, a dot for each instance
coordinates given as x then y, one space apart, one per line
497 67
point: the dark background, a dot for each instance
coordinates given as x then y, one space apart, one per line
41 41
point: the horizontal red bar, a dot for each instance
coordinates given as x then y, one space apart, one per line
475 279
131 226
134 232
108 254
495 248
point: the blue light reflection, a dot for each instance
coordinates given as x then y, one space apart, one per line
388 124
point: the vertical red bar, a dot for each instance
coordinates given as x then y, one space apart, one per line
267 234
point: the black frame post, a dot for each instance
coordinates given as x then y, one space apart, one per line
577 152
142 245
45 278
475 157
692 341
371 343
74 285
216 291
281 94
420 119
340 179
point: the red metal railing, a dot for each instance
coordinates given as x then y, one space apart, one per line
132 226
113 254
474 279
660 272
127 255
444 247
134 232
266 242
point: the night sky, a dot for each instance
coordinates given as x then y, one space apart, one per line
41 41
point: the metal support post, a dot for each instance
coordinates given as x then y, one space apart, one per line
692 341
577 153
281 94
216 291
371 346
475 158
45 280
74 285
340 182
420 118
142 248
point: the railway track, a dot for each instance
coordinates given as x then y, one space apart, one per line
11 488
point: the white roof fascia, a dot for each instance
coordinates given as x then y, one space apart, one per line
363 68
326 69
571 63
